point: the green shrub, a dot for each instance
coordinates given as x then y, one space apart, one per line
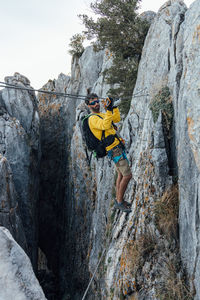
163 102
76 45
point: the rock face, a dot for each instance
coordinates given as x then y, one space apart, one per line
188 138
58 116
141 248
54 113
20 144
17 279
9 211
151 253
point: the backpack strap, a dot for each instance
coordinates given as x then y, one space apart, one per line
103 131
88 158
120 142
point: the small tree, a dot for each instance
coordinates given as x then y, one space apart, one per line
119 29
76 45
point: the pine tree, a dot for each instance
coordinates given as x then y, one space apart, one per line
119 29
76 45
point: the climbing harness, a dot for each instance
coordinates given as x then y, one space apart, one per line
119 157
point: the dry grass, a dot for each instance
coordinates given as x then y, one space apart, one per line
137 252
175 283
163 102
166 212
175 286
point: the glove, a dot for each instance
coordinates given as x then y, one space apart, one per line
109 104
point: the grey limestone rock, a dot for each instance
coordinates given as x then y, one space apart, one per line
21 104
20 144
169 58
17 279
58 125
157 155
85 71
9 210
188 141
77 199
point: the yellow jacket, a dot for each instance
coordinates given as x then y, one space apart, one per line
97 125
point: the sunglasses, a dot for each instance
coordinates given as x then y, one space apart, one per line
94 102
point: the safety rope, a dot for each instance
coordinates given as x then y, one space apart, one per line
67 95
86 291
98 264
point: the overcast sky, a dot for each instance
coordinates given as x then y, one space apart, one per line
35 35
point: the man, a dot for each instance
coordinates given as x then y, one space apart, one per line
115 150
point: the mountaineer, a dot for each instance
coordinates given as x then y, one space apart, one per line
102 127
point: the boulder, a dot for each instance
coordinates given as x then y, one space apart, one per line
17 279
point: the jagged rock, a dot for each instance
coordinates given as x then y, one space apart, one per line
77 221
153 155
9 211
20 144
188 141
58 117
62 83
158 153
100 86
21 104
85 71
17 279
148 15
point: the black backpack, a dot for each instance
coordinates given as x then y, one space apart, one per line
93 144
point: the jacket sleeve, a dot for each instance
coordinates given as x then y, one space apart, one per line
101 124
116 115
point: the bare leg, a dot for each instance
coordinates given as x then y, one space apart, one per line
119 179
121 187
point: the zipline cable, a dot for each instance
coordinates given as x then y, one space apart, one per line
8 85
67 95
5 84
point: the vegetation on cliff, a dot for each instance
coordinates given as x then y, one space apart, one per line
76 45
117 28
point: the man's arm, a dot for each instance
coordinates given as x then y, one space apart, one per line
116 115
101 124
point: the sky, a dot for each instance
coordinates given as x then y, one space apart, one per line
35 35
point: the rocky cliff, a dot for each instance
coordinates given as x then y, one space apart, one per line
155 247
19 190
52 200
20 144
18 281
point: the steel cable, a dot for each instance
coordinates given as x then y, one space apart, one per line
67 95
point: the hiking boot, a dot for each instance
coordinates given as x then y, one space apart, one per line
128 205
122 206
